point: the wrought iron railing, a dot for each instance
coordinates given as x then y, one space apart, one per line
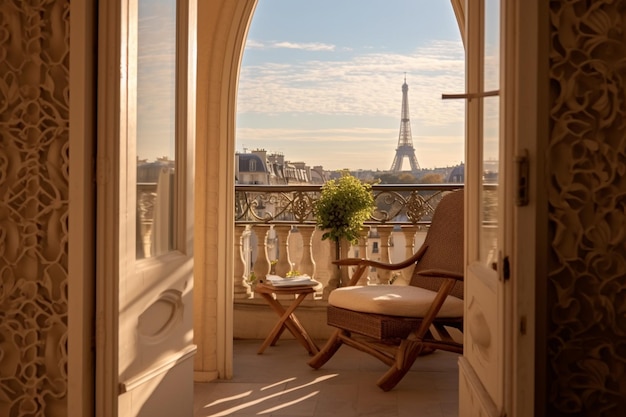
395 204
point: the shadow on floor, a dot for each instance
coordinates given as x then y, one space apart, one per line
280 383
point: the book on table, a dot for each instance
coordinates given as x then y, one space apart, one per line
295 281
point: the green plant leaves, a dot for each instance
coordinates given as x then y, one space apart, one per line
344 205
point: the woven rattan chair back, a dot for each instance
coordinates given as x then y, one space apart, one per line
445 244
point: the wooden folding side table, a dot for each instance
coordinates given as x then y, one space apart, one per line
288 317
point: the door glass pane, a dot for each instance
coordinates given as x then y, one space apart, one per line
491 132
156 130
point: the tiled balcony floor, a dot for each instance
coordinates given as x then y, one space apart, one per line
280 383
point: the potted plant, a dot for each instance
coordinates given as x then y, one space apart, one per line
342 208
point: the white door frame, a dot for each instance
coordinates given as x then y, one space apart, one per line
526 23
526 58
112 71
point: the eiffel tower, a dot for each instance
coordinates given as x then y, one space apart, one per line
405 142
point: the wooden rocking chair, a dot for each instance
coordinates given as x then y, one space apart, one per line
398 323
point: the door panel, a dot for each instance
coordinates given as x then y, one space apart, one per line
476 403
483 342
155 316
150 207
482 367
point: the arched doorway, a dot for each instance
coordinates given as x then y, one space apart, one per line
221 35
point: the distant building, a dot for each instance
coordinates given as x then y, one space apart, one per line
318 175
297 173
259 167
251 169
457 175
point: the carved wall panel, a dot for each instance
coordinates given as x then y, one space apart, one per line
587 209
34 164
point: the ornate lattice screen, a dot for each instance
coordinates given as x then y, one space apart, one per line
34 159
587 197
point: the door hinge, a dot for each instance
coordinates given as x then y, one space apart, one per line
521 175
506 268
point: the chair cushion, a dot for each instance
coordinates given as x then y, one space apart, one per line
393 300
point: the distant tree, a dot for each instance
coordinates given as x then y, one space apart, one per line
406 178
431 178
397 178
384 178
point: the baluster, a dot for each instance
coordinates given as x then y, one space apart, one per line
323 252
241 288
420 236
261 264
409 247
307 264
284 262
385 233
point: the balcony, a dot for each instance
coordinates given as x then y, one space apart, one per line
275 232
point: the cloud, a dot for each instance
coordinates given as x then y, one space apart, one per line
351 135
252 44
304 46
366 84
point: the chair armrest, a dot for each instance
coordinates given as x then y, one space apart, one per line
350 261
441 273
383 265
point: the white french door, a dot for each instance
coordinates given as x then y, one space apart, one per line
145 209
483 366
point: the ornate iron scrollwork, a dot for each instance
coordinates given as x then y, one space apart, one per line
395 204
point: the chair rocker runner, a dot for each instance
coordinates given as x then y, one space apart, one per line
398 323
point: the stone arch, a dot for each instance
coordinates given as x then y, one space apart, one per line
222 31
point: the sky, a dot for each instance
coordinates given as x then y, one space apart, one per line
321 82
156 79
